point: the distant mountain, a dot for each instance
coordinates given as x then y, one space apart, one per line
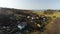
38 10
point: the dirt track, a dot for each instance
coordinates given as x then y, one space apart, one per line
54 28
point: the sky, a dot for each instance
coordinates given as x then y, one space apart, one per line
31 4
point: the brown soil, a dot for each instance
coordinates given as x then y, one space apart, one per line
54 28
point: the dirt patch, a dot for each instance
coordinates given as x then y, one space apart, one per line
54 28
